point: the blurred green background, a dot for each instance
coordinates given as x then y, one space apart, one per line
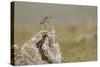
76 27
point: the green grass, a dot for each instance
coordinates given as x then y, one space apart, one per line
66 34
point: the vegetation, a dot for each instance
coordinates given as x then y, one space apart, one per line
75 40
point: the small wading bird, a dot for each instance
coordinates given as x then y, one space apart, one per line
45 22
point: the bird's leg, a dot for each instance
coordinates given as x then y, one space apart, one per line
46 25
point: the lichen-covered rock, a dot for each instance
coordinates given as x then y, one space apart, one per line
51 47
29 53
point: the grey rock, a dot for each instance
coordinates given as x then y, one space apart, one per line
29 54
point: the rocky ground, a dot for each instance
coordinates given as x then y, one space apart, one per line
29 53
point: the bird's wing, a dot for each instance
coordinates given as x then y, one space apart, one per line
43 21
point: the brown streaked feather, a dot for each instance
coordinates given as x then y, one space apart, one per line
43 21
